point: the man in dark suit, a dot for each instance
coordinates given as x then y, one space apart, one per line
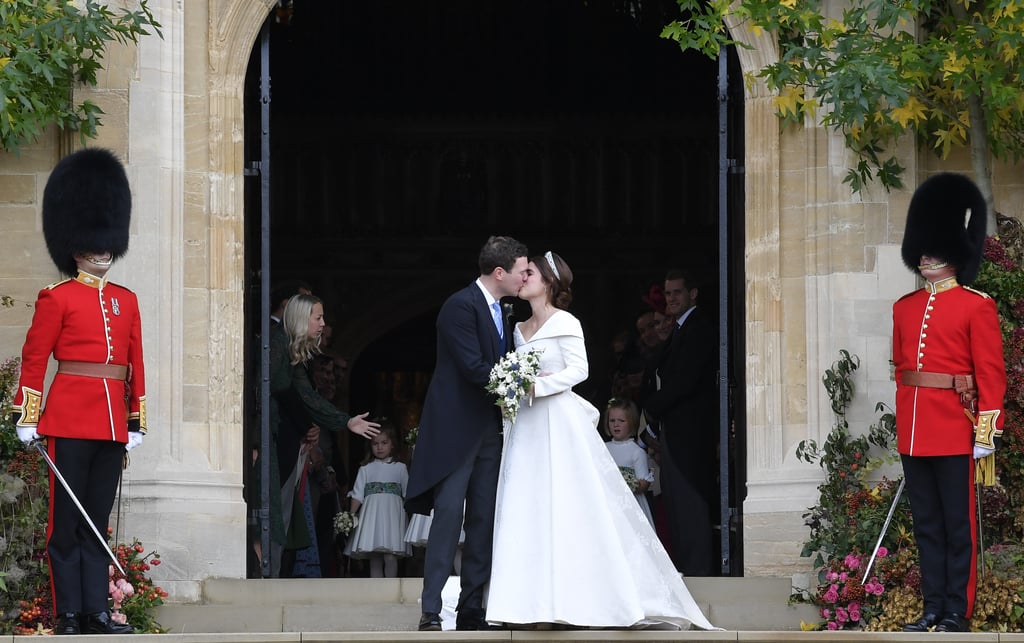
458 448
681 395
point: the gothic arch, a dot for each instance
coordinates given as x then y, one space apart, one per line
233 29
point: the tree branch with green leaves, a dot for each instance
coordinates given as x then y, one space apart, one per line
47 47
947 72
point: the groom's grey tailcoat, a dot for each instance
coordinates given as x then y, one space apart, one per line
458 409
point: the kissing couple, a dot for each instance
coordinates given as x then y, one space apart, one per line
552 532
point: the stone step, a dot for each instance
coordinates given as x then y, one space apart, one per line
392 605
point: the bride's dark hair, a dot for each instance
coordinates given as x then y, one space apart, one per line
558 286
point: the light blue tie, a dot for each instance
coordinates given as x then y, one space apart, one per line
496 308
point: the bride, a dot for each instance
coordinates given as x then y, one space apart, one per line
571 544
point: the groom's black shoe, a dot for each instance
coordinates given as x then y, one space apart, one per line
472 618
430 622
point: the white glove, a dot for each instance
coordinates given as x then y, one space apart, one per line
134 440
980 452
27 433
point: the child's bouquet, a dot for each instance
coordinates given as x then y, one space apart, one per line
511 379
410 437
345 522
630 477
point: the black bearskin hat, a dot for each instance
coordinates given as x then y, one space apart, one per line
87 206
946 220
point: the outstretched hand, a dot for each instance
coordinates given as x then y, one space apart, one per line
359 425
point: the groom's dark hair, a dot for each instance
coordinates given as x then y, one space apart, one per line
500 252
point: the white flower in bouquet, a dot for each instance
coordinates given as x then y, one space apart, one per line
511 379
345 522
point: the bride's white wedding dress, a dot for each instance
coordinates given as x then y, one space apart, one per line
571 544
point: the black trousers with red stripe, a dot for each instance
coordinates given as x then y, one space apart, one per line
79 566
942 502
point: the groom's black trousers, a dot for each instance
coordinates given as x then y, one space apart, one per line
473 485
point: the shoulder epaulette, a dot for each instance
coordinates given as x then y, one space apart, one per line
978 292
57 283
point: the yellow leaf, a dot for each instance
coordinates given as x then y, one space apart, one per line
788 101
946 139
953 65
808 627
911 111
1009 11
3 62
789 4
837 26
757 30
1008 53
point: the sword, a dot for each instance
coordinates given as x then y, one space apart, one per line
64 483
981 540
885 527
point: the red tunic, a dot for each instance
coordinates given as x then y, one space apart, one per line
955 331
85 319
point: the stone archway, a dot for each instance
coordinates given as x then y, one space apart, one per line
233 29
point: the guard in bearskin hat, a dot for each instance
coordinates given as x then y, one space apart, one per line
947 350
96 406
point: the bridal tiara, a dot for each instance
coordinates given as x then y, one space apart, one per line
551 262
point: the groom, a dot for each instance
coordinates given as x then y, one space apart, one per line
458 448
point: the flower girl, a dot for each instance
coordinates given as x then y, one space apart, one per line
621 423
378 495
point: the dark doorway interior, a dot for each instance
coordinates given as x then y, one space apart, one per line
404 132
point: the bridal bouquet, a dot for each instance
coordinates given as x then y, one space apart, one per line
345 522
511 379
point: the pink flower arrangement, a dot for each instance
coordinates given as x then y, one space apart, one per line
119 589
847 603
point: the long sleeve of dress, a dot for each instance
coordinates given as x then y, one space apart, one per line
322 411
640 465
573 357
